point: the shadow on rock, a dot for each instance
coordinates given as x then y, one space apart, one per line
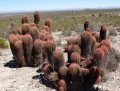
12 64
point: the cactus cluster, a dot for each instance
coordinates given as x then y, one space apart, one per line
86 54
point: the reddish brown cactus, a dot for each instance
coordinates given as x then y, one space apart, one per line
48 22
74 70
103 32
106 43
24 19
49 36
97 37
86 24
45 28
85 62
93 75
93 46
34 32
42 36
75 58
36 18
25 28
98 56
58 58
38 51
20 53
105 49
86 40
19 30
88 29
32 24
78 40
76 48
47 68
62 86
97 44
28 45
71 41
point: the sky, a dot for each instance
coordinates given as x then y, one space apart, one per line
30 5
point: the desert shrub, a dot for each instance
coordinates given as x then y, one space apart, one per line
113 33
3 43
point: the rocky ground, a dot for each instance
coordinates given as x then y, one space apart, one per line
15 78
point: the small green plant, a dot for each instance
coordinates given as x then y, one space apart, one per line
3 43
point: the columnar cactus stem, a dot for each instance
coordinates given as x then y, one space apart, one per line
28 45
20 53
24 19
86 24
25 28
36 18
86 40
48 22
93 45
75 58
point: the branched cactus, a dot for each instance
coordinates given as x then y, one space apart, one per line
103 32
74 70
36 18
86 40
38 51
20 53
34 32
28 45
86 24
24 19
75 58
58 56
25 28
48 22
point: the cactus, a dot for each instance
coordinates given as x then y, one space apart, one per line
68 49
103 32
71 41
19 30
12 38
97 57
97 37
28 45
50 48
88 29
93 46
76 48
75 58
42 36
86 24
47 68
64 73
84 71
74 70
48 22
49 36
105 49
85 62
36 18
24 19
45 28
20 53
32 24
25 28
78 40
58 58
62 86
34 32
106 43
38 51
86 40
97 44
93 75
76 86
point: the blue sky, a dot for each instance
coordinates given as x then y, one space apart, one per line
15 5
